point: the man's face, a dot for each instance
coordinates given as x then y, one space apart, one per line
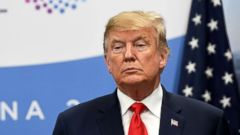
133 56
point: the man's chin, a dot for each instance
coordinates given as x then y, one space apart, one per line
132 80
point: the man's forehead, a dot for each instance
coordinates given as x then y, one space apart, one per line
143 32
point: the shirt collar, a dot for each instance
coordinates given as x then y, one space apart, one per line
153 102
125 101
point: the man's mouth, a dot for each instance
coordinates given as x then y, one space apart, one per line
131 70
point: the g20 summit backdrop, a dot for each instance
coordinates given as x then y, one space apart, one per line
51 55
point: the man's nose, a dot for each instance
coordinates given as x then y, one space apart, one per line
129 53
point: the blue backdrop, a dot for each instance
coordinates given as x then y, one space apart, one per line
40 92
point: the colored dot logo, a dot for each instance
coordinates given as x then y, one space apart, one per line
50 6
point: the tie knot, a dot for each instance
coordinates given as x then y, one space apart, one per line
138 107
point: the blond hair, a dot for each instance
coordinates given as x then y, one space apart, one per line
134 20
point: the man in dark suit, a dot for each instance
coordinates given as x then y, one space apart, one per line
136 53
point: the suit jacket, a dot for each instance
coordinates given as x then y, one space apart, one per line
179 116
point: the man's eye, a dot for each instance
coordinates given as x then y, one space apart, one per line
117 48
140 47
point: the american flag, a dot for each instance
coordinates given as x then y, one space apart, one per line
207 71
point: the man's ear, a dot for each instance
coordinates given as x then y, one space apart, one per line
107 62
163 58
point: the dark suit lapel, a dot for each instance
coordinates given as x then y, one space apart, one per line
110 121
171 122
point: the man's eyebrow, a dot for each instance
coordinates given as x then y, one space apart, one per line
117 41
142 37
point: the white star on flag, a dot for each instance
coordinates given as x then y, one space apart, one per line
211 48
206 96
216 3
193 43
213 25
228 78
197 19
228 55
225 101
191 67
209 72
187 91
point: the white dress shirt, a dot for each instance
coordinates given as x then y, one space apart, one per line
150 117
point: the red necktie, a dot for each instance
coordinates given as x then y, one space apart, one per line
137 127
